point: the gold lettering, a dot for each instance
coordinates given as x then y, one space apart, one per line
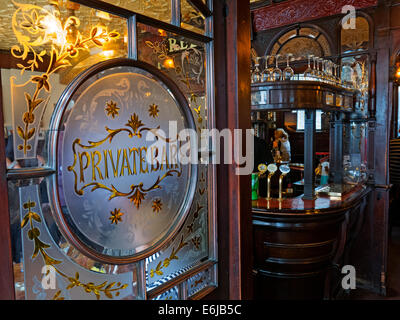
115 168
143 160
95 166
125 164
173 153
172 43
105 165
164 159
134 151
122 165
82 168
183 45
153 157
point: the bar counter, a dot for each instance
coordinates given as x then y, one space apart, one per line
301 245
297 205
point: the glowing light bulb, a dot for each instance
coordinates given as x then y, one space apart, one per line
162 32
107 53
54 29
103 15
398 73
169 63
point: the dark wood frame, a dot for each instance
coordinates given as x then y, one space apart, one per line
6 265
232 78
298 27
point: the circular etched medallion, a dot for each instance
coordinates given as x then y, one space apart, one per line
122 189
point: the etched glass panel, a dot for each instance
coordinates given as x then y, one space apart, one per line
302 47
355 39
288 35
123 184
201 281
189 248
70 39
51 45
68 274
191 18
355 72
183 61
157 9
171 294
302 43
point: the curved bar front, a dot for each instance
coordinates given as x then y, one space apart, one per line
298 243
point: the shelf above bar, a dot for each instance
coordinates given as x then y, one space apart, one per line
300 95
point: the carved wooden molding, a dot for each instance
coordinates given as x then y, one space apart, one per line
286 13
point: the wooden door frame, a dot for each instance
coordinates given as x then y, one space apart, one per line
6 266
232 43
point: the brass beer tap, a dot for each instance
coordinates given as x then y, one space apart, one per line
284 169
272 168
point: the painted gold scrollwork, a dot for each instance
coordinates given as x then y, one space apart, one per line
137 193
189 58
166 262
106 288
35 28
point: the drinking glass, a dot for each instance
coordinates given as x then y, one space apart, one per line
266 74
321 74
256 75
336 75
277 73
309 71
315 69
288 72
330 72
327 71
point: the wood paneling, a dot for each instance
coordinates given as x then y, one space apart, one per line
232 79
300 255
301 10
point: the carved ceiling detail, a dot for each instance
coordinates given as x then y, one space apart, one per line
295 11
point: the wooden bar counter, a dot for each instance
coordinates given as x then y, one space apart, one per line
300 245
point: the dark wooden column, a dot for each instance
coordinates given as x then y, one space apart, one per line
336 166
309 154
369 254
6 267
232 86
372 121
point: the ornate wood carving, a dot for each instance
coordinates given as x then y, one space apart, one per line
301 10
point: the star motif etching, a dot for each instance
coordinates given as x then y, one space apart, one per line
153 110
157 205
116 216
111 109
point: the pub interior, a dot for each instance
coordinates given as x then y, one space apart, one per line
83 82
315 209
